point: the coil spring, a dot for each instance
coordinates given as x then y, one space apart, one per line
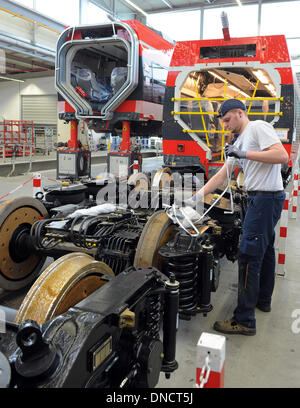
185 270
153 306
118 261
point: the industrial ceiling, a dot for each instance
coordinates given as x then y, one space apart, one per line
163 6
21 59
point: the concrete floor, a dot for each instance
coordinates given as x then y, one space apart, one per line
271 359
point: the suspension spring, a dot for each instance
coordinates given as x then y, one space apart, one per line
153 307
117 250
185 269
112 253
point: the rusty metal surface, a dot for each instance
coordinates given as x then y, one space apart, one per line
158 231
139 181
64 283
223 204
162 178
13 213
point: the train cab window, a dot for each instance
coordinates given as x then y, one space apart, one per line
155 78
118 78
99 72
159 74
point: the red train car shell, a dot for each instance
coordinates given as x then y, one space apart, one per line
256 70
114 72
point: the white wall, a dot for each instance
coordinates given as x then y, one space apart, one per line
10 100
11 92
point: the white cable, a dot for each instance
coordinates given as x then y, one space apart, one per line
229 173
207 211
221 195
175 218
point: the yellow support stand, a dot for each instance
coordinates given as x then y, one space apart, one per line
223 131
253 95
201 113
216 113
206 131
262 98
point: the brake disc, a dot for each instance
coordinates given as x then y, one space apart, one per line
19 265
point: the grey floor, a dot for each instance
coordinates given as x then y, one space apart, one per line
271 358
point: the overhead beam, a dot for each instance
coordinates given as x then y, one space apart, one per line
35 16
26 63
31 54
206 5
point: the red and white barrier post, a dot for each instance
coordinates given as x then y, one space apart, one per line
284 219
295 193
210 363
135 166
37 184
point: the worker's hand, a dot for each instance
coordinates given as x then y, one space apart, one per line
232 151
194 200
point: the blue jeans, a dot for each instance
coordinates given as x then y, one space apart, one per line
257 255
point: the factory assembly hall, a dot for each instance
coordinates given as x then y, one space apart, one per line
149 182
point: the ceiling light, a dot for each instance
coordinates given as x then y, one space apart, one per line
216 76
272 89
167 3
136 7
261 76
12 79
232 87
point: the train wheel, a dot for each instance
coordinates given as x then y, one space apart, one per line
19 265
158 230
139 181
162 178
65 282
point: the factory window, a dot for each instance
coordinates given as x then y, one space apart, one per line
178 26
95 15
27 3
294 51
66 11
239 26
281 18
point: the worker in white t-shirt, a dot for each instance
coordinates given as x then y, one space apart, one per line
260 154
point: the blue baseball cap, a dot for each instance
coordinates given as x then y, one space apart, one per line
229 104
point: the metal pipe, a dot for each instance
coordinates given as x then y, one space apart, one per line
29 20
201 112
257 98
24 44
253 96
216 113
126 143
73 142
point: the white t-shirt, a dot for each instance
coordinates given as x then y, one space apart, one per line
257 136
